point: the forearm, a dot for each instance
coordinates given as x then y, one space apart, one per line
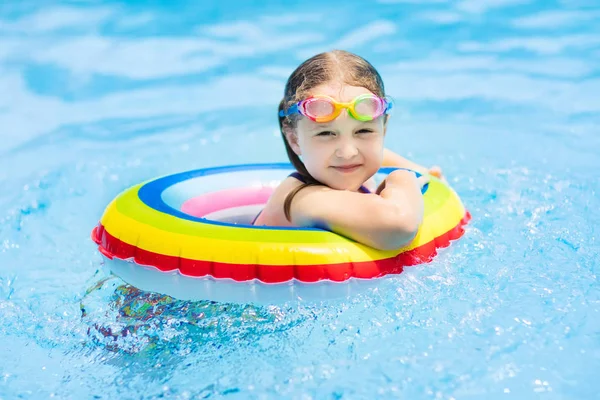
407 195
385 222
391 159
405 205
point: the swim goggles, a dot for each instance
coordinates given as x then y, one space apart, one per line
321 108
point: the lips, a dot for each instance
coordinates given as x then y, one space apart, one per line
347 168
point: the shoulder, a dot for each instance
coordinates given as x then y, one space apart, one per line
273 213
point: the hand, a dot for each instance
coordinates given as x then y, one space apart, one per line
437 172
400 177
422 181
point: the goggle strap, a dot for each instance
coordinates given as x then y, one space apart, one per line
292 110
388 106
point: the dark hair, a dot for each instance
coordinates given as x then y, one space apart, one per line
336 65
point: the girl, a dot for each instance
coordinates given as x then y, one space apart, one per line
333 119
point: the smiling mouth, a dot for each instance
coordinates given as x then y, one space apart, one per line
347 168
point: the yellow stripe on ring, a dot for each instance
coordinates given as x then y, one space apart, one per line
312 247
128 203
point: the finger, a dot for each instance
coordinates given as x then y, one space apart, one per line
435 171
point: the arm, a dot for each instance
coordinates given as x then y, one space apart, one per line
385 222
391 159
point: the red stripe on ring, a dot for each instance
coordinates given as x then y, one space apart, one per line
111 247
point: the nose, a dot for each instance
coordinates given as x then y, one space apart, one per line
346 150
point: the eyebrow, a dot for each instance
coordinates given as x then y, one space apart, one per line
328 127
322 126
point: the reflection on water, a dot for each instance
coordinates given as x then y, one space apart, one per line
124 318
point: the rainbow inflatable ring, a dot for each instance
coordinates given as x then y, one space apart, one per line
189 235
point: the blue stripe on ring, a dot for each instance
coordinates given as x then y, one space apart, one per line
151 193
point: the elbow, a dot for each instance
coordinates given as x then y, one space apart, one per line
398 230
399 237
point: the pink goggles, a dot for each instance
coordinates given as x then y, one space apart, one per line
321 108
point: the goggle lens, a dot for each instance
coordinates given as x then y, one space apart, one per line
319 108
369 107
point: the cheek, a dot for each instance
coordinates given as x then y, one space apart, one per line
313 150
375 151
375 145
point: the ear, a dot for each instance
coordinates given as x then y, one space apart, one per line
292 138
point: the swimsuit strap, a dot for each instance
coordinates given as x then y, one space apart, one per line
298 176
302 179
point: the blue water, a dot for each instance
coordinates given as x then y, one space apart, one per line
503 94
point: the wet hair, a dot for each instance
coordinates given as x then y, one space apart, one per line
333 66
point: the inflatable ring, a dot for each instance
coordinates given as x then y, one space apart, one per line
189 235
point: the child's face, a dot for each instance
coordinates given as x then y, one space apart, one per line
342 153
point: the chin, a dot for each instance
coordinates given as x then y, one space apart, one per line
336 182
338 185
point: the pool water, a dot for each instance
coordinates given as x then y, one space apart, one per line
503 94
